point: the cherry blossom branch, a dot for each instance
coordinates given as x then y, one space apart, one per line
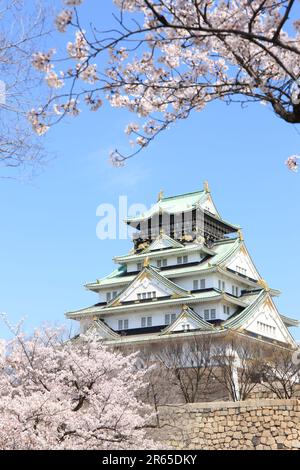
179 58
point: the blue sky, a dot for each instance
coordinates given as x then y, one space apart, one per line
49 247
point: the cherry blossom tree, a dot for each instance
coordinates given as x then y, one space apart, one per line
73 394
167 58
23 27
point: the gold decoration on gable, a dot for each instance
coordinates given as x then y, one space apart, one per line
143 245
206 187
175 296
261 282
268 303
243 250
241 236
160 195
144 275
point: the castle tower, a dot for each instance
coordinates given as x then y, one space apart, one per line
189 273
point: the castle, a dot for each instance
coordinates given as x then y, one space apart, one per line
189 273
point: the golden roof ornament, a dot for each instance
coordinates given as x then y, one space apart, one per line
263 284
206 187
241 236
146 262
184 307
160 195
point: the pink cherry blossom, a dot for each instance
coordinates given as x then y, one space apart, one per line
63 19
168 58
73 394
293 163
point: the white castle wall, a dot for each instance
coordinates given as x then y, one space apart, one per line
171 260
186 282
158 314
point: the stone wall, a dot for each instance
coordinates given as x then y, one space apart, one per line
261 392
254 424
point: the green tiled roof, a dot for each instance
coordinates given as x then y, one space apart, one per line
98 324
177 204
203 324
222 251
238 320
170 243
213 294
173 204
290 321
136 339
155 274
185 249
114 274
235 321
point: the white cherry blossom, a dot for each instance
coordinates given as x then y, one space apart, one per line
177 56
76 394
63 19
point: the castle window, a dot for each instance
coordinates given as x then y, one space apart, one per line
198 284
146 321
210 314
146 295
139 266
111 295
162 262
169 318
221 285
186 327
226 309
235 291
182 259
123 324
